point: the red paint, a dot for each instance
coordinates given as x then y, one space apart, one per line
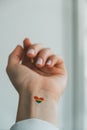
38 98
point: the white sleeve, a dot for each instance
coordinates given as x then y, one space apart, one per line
33 124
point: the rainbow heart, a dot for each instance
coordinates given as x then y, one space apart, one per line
38 99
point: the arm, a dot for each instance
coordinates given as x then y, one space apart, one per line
29 107
40 82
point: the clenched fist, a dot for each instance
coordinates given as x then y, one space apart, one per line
33 68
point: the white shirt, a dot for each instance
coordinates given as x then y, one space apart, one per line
33 124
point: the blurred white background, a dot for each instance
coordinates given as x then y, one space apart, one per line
61 25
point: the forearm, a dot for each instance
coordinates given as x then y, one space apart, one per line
29 107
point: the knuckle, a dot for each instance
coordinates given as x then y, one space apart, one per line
35 46
53 57
45 51
42 54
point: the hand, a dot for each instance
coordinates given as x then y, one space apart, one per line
40 69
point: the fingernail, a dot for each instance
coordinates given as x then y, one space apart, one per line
39 61
31 51
49 62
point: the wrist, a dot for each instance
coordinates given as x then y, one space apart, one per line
30 107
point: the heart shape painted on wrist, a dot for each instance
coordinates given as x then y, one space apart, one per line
38 99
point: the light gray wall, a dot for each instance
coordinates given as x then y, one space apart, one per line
42 21
56 24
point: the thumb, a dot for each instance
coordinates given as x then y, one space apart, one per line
16 55
26 43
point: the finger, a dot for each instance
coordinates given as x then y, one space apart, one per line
26 43
16 56
51 61
58 63
43 56
34 50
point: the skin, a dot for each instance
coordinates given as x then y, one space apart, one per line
31 79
